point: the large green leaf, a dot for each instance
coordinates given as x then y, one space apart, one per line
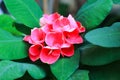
6 23
80 75
106 37
25 11
109 72
95 55
94 12
116 1
12 47
65 67
10 70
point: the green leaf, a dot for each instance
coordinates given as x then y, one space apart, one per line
10 70
94 12
65 67
106 37
25 11
6 23
80 75
116 1
22 28
34 71
95 55
12 47
109 72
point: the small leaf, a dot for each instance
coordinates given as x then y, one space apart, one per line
108 72
12 47
95 55
64 67
106 37
10 70
93 12
25 11
80 75
6 23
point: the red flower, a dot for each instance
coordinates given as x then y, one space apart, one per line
37 36
67 50
34 51
65 24
49 55
56 37
73 37
48 19
47 28
80 27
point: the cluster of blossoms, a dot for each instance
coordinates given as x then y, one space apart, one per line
55 37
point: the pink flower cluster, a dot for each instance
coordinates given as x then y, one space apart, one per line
55 37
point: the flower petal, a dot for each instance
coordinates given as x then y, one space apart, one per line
37 36
54 39
57 26
26 38
54 16
64 21
43 20
63 24
47 28
48 19
35 49
49 55
72 22
33 58
67 51
73 37
80 27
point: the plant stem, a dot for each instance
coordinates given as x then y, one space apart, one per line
45 6
56 5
